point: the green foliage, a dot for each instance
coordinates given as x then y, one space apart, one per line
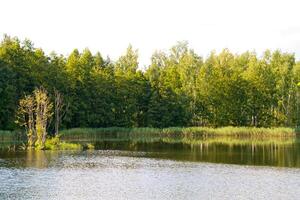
179 88
55 144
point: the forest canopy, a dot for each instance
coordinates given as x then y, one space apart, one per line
178 88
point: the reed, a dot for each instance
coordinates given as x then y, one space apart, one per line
232 141
187 132
11 135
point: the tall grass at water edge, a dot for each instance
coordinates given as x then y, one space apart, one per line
93 133
12 136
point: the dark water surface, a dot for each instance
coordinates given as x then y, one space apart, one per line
136 169
267 153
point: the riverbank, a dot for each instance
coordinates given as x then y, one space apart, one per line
274 147
187 132
86 138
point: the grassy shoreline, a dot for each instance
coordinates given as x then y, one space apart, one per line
189 132
12 135
184 132
84 138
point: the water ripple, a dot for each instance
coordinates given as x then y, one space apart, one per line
117 175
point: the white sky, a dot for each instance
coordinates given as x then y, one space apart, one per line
109 26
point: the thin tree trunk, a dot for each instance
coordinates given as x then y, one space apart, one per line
58 109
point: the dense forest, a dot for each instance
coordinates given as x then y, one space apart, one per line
179 88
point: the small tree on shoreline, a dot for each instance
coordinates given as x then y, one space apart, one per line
34 113
43 114
25 117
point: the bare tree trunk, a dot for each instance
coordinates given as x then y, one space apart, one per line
297 107
58 109
31 130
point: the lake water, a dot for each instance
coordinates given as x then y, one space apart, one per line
157 170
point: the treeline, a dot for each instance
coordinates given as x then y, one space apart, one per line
179 88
